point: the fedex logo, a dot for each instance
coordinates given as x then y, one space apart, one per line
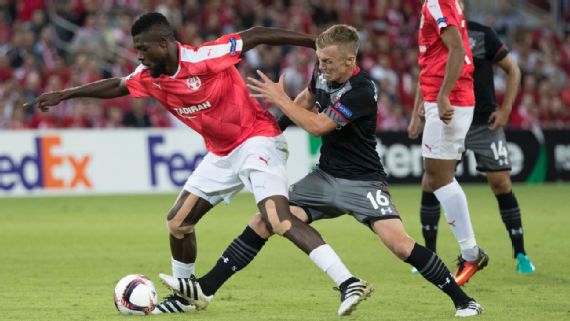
44 167
177 165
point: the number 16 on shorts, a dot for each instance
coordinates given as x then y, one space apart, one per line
380 201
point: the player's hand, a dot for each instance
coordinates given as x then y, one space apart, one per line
265 88
416 126
46 100
444 109
498 120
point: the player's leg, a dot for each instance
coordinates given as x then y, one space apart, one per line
501 185
442 146
429 216
181 219
492 155
428 264
199 195
241 251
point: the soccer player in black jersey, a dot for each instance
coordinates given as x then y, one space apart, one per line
349 178
486 138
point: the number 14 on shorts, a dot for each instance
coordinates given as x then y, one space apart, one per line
500 151
381 202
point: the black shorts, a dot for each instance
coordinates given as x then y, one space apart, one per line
489 147
324 196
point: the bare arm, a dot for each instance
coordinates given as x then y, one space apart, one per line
455 58
274 36
106 89
500 117
316 124
302 100
417 119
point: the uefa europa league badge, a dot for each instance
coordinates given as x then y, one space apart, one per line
194 82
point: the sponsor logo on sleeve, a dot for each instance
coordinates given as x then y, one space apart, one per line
343 110
233 46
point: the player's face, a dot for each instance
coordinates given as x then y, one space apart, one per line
334 64
152 51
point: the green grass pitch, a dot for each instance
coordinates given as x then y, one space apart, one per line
60 258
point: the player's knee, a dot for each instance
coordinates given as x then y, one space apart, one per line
178 230
279 224
258 224
500 185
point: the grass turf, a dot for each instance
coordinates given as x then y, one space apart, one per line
60 258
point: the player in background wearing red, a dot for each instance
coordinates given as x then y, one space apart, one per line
486 138
446 99
203 89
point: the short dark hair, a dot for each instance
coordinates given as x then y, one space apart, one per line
150 20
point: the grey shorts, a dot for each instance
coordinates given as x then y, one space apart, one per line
324 196
489 147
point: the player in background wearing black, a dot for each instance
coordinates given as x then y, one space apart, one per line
486 138
349 178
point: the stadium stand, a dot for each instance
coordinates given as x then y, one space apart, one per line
52 44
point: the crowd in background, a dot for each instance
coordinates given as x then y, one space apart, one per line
48 45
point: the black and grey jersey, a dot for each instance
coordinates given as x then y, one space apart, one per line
350 150
487 49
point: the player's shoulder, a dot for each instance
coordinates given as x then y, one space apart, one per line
362 87
362 81
476 26
138 72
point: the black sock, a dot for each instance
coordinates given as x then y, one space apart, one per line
237 255
511 216
432 269
429 217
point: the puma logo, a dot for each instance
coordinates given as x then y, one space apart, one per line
266 161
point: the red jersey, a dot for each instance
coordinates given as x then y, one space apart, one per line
208 94
432 59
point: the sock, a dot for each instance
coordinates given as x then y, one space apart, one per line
237 256
511 216
429 217
432 269
328 261
454 203
181 269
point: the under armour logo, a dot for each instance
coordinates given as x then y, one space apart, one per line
225 259
452 223
447 281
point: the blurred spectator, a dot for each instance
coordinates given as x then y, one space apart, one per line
48 45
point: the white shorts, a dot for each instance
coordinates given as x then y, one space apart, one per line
258 164
441 141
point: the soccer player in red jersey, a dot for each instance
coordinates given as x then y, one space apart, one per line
486 139
202 88
446 99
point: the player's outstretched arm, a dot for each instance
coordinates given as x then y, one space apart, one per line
274 36
106 89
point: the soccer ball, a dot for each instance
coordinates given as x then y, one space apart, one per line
135 294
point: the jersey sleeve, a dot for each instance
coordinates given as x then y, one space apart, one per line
496 50
134 83
444 13
215 56
356 103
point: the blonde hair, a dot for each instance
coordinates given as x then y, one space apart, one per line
342 35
